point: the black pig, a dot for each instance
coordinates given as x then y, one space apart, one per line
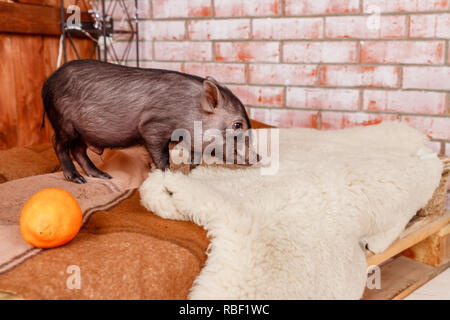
101 105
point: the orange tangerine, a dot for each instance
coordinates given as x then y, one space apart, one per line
50 218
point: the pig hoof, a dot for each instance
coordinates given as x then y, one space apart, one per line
101 175
77 178
105 176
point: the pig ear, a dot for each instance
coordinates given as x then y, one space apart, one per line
211 96
209 78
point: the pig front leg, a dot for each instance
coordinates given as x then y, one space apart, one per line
159 151
156 138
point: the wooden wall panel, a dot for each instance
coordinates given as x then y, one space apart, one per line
29 76
50 58
50 55
26 62
8 115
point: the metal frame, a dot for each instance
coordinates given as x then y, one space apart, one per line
101 26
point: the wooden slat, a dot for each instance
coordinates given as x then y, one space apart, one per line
413 234
434 250
31 19
51 3
444 231
55 3
400 277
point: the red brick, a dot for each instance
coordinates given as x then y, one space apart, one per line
405 5
123 25
320 52
117 12
405 101
319 98
183 50
145 50
259 96
364 76
219 29
175 66
435 146
285 118
223 72
414 52
288 28
308 7
341 120
365 27
181 8
433 78
284 74
161 30
239 8
436 128
248 51
144 11
430 26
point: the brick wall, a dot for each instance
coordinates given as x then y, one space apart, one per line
313 63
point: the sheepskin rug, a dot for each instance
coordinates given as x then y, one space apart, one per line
296 234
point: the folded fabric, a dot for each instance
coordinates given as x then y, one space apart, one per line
122 250
128 168
21 162
295 234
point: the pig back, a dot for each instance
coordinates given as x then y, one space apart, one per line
110 102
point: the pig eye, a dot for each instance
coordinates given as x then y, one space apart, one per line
237 125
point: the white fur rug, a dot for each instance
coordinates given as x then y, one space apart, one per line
296 234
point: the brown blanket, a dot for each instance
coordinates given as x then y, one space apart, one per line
122 251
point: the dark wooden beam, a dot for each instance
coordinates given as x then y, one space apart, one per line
31 19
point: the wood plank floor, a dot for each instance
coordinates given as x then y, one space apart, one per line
436 289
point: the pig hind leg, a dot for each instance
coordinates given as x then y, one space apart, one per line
62 145
79 153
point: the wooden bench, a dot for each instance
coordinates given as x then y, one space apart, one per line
420 253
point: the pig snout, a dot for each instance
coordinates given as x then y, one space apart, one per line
251 157
243 151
